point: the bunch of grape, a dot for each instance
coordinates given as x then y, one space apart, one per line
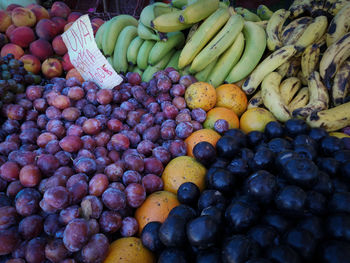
14 78
77 160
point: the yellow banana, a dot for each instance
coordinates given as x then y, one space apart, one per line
283 69
332 119
247 15
274 28
219 44
191 32
255 101
333 57
310 59
339 25
198 11
272 98
318 97
302 78
300 100
288 88
294 30
268 65
169 22
226 62
148 14
337 6
202 36
264 12
298 7
255 45
294 67
341 83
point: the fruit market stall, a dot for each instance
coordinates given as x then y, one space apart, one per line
187 131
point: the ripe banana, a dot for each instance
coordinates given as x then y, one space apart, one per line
332 119
294 67
274 28
175 40
339 25
333 57
147 33
198 11
283 69
300 100
120 62
272 98
288 88
169 22
298 7
302 78
337 6
142 55
113 30
204 74
255 101
255 38
318 97
294 30
262 23
133 50
268 65
310 59
264 12
191 32
99 34
226 62
150 70
341 83
201 37
174 60
247 15
219 43
313 32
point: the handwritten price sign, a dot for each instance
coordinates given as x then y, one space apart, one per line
86 57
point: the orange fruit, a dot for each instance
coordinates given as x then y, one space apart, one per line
255 119
203 135
156 207
129 250
218 113
232 97
183 169
200 95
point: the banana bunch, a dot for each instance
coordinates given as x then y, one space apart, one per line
316 7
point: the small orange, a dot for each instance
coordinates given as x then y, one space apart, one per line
232 97
255 119
129 250
156 207
183 169
218 113
200 95
203 135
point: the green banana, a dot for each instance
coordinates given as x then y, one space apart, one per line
332 119
333 57
204 74
300 100
339 25
272 98
142 55
175 40
138 70
169 22
274 28
99 35
247 15
198 11
150 12
133 50
147 33
219 44
314 31
202 36
150 70
268 65
174 60
182 3
120 62
113 30
318 97
130 68
110 60
341 83
294 30
288 88
255 38
264 12
185 70
226 62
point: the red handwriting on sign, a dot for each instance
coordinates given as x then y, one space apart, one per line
79 36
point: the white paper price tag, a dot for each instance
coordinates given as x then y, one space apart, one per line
86 57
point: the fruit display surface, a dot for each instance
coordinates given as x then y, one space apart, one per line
227 141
